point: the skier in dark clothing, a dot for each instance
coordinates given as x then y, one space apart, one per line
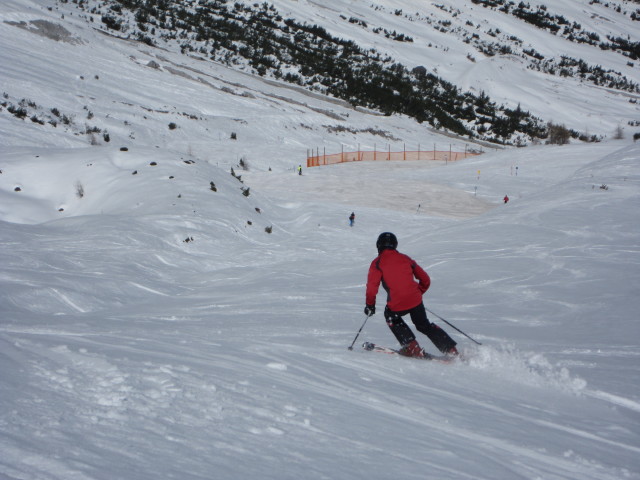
352 219
398 274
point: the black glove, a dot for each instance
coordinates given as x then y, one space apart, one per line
369 310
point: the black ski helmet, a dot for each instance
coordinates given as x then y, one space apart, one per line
386 240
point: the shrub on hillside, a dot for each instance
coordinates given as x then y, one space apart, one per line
111 22
558 134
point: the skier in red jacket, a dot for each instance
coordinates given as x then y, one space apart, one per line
398 274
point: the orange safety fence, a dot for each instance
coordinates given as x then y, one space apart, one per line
442 155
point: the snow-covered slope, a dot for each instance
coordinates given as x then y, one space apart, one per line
131 353
151 327
139 95
447 36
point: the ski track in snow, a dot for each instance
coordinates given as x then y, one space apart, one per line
615 399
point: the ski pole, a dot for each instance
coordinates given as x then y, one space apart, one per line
354 340
452 326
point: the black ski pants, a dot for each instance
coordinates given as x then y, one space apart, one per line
418 314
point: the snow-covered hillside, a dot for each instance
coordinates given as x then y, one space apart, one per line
48 79
163 318
448 37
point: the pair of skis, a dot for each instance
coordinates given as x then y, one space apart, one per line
372 347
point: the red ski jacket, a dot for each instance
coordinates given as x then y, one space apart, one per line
397 271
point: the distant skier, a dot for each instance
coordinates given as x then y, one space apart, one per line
299 169
352 219
506 199
398 273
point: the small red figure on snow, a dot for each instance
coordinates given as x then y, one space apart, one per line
506 198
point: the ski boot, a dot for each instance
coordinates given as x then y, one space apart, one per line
412 349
